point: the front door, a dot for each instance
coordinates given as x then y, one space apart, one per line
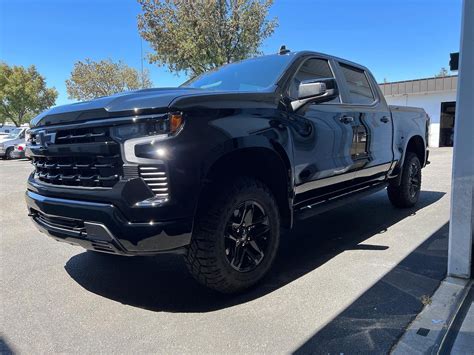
323 139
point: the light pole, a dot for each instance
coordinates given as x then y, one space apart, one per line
462 195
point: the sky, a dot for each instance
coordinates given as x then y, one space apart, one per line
396 39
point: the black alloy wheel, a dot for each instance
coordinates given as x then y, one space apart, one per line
414 179
247 236
406 192
236 236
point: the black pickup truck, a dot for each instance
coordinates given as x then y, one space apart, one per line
215 168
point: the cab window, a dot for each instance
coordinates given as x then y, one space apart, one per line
357 85
312 69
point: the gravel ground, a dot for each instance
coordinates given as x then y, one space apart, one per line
349 280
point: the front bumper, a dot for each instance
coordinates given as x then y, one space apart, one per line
102 227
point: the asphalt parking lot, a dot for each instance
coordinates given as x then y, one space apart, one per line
349 280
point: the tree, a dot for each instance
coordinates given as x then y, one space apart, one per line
442 73
23 93
90 79
198 35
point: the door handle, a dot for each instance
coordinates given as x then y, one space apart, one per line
385 119
346 119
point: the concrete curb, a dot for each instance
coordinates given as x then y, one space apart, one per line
427 332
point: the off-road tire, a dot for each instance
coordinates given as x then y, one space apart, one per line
408 192
207 256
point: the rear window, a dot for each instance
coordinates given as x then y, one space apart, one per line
358 85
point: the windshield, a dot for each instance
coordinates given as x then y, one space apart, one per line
14 133
254 74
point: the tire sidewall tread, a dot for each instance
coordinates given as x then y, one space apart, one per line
399 195
206 254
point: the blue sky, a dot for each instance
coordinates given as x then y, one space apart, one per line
396 39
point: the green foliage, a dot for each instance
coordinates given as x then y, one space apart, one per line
23 93
198 35
90 79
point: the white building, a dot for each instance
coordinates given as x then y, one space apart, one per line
437 96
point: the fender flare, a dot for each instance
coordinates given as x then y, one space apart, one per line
397 180
244 145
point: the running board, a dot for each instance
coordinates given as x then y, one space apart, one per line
330 203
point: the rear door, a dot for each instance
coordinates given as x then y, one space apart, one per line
323 138
372 140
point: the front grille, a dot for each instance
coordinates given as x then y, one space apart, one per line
81 135
85 171
155 177
82 157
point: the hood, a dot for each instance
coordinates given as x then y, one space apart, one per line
123 104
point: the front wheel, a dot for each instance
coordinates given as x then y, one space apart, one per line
407 193
236 237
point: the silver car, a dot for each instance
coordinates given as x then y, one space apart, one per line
7 142
19 151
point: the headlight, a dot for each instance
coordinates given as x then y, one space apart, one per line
147 134
169 125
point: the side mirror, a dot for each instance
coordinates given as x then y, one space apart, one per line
315 91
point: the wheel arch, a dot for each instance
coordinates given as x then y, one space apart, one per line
416 144
268 163
8 150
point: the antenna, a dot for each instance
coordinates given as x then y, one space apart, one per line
283 50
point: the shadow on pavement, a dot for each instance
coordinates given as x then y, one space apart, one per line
376 320
5 348
162 283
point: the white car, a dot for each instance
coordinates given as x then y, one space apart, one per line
7 143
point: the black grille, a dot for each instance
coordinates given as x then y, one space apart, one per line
83 157
86 171
80 135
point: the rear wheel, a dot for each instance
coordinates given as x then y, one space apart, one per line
407 193
236 237
9 153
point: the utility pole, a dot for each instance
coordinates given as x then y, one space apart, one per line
141 59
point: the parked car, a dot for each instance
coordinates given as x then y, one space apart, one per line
19 151
5 129
213 169
7 143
